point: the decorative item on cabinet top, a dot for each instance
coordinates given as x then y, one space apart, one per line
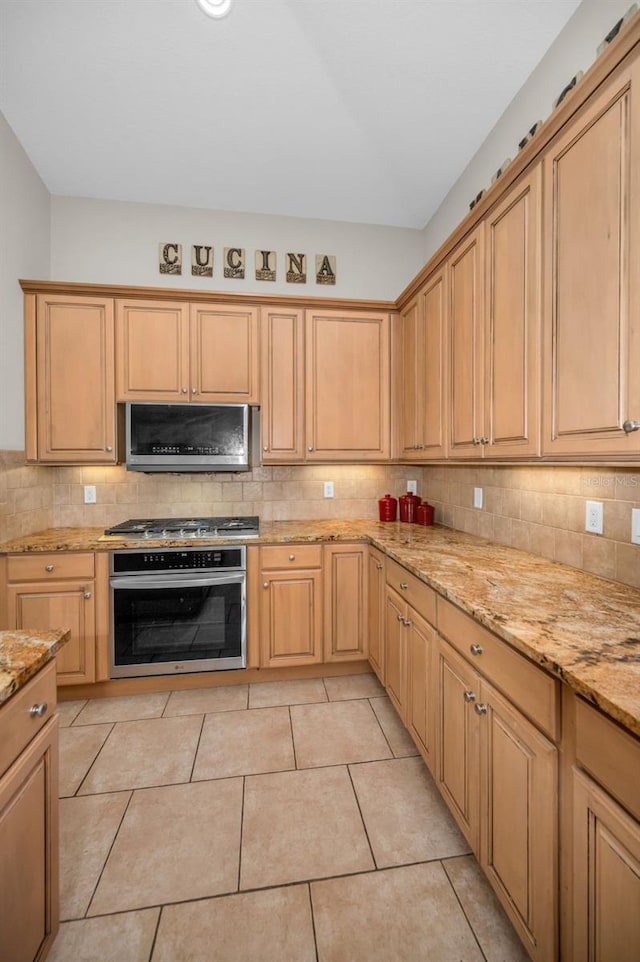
234 264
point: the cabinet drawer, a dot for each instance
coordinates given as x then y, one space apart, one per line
534 692
40 567
610 754
291 556
420 596
18 726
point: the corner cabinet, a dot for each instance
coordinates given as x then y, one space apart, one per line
69 379
592 304
347 386
176 351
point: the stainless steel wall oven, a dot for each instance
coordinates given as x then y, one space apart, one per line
177 610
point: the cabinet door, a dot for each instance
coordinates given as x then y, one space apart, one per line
592 334
345 600
75 409
224 353
152 351
513 291
282 388
458 767
519 818
466 341
410 375
432 414
29 850
347 386
291 618
395 654
606 877
421 642
375 620
66 605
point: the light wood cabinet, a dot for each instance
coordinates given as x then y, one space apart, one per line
395 649
466 346
45 590
420 701
69 379
29 899
170 351
282 378
291 605
592 302
375 611
345 602
347 386
422 372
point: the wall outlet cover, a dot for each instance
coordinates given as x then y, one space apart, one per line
594 517
90 494
477 497
328 489
635 526
412 487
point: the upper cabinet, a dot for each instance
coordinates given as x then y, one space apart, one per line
282 374
592 300
347 386
422 372
69 379
466 346
170 351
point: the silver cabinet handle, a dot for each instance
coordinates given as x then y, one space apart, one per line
480 709
475 649
109 447
265 584
379 567
484 440
630 426
183 390
404 585
476 441
87 595
48 567
37 711
469 696
406 622
399 618
292 557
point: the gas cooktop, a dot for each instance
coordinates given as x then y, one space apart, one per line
191 528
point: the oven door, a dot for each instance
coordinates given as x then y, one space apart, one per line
170 623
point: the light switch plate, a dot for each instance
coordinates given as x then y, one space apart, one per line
635 525
90 494
477 497
328 489
594 517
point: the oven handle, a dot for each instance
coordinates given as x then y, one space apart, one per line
179 581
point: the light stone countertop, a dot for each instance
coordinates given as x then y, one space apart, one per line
583 629
23 654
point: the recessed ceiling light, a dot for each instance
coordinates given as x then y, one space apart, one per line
215 8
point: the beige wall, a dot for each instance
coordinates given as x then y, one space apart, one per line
538 509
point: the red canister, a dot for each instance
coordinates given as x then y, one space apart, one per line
424 513
408 504
388 507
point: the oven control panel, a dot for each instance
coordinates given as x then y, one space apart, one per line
178 559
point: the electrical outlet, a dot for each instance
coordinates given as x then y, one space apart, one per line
412 487
90 494
477 497
328 489
594 517
635 525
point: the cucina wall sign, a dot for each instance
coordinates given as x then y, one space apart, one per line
234 263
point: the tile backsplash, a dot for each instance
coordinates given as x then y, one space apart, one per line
539 509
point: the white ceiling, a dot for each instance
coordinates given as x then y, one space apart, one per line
353 110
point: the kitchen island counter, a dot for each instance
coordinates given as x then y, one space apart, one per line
583 629
23 654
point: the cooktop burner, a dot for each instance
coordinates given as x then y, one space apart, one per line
141 528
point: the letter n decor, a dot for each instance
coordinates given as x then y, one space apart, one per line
170 261
296 268
325 269
234 262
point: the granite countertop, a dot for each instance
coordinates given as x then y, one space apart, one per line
23 654
583 629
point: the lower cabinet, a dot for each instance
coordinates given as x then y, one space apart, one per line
395 613
57 589
375 611
345 602
29 909
291 605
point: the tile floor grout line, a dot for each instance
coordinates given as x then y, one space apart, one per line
244 788
462 908
155 934
293 743
313 922
384 734
104 864
97 755
364 824
195 754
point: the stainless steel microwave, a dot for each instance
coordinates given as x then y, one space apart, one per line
187 437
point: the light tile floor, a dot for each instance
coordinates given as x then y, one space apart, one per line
286 821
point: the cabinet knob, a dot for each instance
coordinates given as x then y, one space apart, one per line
480 709
406 622
265 584
476 441
399 618
266 447
183 390
292 557
630 426
310 448
404 585
475 649
37 711
484 440
48 567
379 567
87 595
109 447
194 390
469 696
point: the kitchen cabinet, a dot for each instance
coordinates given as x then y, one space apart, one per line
45 589
592 301
605 870
347 412
282 378
201 352
375 611
345 602
29 896
291 605
498 771
69 379
422 374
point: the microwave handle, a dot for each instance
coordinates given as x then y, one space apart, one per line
179 581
